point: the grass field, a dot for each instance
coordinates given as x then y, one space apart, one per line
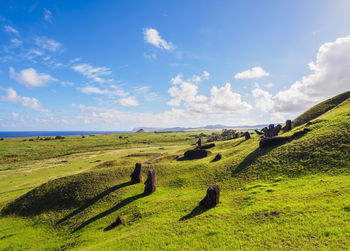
65 194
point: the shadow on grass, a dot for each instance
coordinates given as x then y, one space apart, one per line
251 158
111 210
262 151
94 200
196 211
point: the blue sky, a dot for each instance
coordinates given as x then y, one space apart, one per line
115 65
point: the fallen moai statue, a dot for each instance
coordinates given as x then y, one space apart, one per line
217 157
267 142
136 176
196 154
212 197
258 132
151 182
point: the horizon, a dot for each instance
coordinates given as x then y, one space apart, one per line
107 66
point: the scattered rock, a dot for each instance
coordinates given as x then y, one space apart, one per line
118 221
207 146
217 157
151 182
274 213
196 154
212 197
136 176
247 135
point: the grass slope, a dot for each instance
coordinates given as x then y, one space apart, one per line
320 109
293 196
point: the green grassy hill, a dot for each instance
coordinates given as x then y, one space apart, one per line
292 196
320 109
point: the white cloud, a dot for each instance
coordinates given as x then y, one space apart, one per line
10 29
14 44
268 85
47 15
95 90
149 55
94 73
255 72
129 101
330 75
30 77
152 36
67 83
47 44
222 100
32 103
206 75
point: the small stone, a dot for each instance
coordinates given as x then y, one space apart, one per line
217 157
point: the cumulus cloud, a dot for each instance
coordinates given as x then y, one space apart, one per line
329 76
255 72
47 15
10 29
95 74
152 36
221 101
47 44
30 77
32 103
129 101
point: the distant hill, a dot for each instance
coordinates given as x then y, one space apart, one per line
207 127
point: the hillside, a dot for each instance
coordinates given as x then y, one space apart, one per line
320 109
290 196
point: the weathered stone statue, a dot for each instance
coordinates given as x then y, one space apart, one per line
136 176
247 135
199 142
151 182
288 126
212 197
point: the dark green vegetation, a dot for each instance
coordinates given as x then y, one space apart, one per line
292 196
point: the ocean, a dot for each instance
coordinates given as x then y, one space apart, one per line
17 134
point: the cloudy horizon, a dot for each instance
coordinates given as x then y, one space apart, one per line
160 66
